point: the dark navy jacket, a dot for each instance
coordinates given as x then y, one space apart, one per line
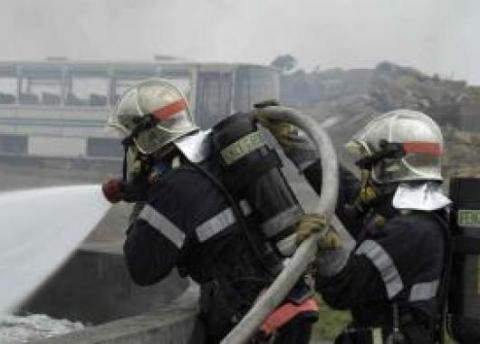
399 258
186 222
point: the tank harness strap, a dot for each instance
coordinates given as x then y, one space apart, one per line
443 289
286 313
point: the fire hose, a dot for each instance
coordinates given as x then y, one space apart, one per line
306 252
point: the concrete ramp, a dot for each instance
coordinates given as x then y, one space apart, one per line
166 327
94 287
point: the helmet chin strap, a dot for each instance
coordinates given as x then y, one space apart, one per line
366 194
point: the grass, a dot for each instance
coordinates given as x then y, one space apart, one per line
332 322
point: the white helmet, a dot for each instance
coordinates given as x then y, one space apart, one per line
152 113
401 145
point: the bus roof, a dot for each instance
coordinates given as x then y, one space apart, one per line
10 68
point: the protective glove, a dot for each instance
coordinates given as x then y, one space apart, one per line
113 189
332 255
116 190
297 148
311 223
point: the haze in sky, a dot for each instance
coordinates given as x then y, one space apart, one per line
436 36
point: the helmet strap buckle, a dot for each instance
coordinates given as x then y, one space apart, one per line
388 150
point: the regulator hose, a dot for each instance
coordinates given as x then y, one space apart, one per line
306 252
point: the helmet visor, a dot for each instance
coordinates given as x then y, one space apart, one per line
155 100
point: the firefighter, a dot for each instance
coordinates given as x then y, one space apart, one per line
393 279
184 217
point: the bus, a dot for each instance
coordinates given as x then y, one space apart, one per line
58 108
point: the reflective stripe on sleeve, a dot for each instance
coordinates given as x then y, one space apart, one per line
384 264
163 225
279 222
220 221
424 291
215 225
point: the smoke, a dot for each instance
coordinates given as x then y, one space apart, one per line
435 36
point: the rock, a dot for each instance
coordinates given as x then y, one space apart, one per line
388 86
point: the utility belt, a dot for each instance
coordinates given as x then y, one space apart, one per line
374 335
405 330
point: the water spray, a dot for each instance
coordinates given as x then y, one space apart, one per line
40 229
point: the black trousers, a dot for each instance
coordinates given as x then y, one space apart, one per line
297 331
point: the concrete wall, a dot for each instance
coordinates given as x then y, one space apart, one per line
94 287
166 327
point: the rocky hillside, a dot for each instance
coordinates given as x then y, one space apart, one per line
463 153
346 99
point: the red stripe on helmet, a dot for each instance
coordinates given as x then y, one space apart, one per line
169 110
432 148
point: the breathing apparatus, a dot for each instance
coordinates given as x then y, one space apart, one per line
463 311
306 252
251 171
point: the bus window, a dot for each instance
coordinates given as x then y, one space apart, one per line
252 85
214 90
8 90
89 91
40 91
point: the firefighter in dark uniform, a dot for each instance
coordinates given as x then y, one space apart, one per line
392 278
183 219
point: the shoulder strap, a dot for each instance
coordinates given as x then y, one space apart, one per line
445 279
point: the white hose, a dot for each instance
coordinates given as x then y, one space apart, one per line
306 252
